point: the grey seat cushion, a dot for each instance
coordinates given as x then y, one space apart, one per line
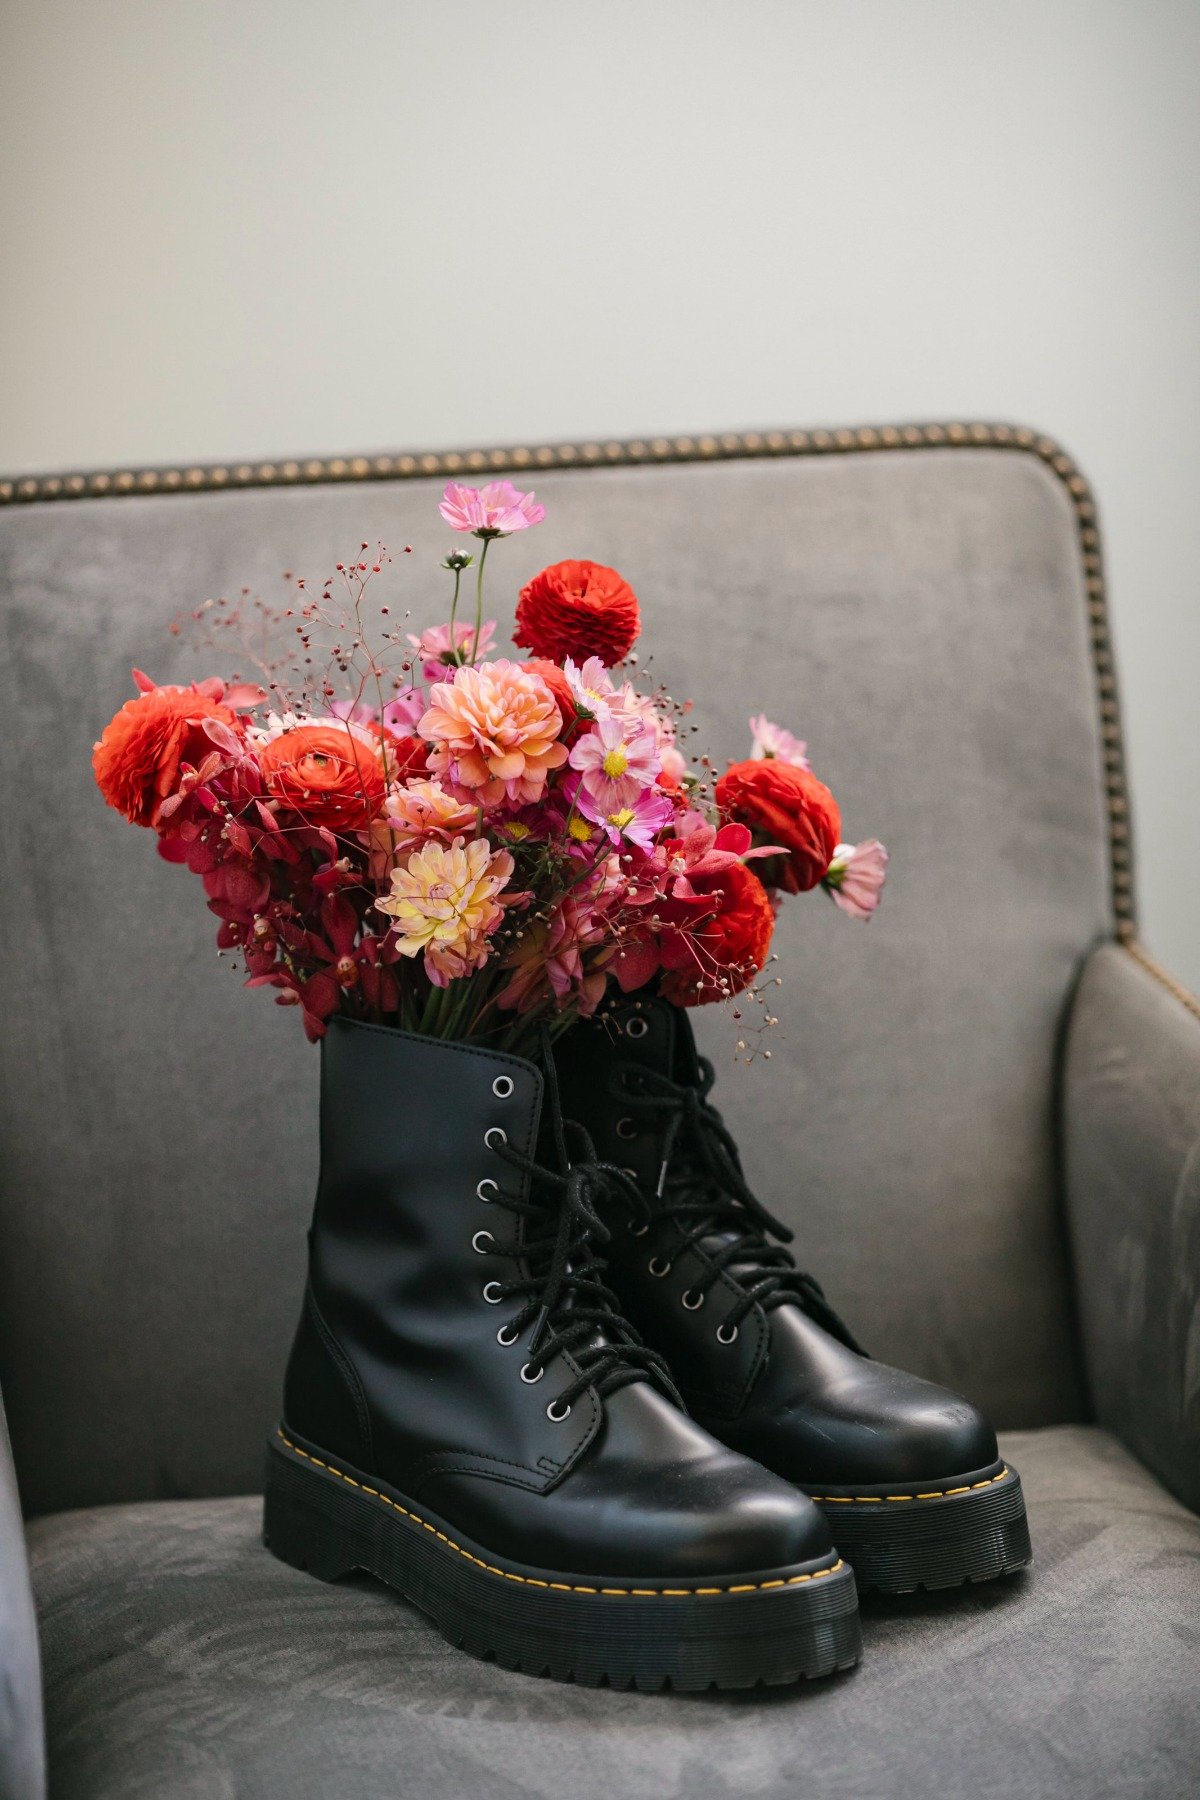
182 1660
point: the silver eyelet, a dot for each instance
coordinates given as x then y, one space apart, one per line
492 1294
506 1335
726 1334
626 1129
485 1248
637 1027
692 1301
638 1230
529 1379
494 1136
658 1268
503 1086
487 1182
554 1415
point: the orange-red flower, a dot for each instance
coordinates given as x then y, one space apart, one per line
721 955
325 773
578 609
785 805
137 760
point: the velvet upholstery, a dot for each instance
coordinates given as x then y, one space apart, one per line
182 1663
917 615
1132 1142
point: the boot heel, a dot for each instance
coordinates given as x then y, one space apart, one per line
305 1536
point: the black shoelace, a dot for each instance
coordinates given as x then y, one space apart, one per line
564 1295
702 1190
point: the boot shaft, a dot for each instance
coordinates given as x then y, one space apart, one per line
400 1358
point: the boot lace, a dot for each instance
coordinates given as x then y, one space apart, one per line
702 1190
564 1295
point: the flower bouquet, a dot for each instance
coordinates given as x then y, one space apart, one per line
406 828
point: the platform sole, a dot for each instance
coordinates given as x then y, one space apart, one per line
898 1540
774 1627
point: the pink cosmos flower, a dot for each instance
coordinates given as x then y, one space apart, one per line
616 764
438 652
856 876
773 742
591 686
496 510
495 730
637 821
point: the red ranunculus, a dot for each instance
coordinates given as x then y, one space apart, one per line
578 609
137 761
721 954
326 774
788 806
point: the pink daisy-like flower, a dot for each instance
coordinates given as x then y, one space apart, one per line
616 764
439 651
591 686
855 877
496 510
637 821
773 743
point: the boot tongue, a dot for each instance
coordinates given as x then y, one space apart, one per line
653 1034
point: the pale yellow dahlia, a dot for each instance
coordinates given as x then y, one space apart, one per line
444 904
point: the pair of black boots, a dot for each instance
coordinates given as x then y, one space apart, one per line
558 1381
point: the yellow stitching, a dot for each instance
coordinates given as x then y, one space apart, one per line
561 1587
873 1499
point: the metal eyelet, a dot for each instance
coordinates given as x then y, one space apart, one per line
485 1248
626 1129
529 1379
492 1294
507 1335
726 1334
487 1182
658 1268
638 1230
503 1087
637 1027
691 1300
496 1132
555 1417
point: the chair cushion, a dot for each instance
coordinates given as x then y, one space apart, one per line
182 1660
919 616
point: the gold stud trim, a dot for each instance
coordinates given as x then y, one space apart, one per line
727 446
563 1587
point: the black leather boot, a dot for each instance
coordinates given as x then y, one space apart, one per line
908 1474
467 1417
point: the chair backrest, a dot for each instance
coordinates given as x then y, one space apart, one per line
924 606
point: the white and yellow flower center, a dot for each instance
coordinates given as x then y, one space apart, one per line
615 763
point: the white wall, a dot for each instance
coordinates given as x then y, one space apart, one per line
236 227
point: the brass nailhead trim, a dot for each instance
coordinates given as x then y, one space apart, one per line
1185 998
727 446
564 1587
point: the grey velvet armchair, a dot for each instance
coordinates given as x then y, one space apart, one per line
982 1119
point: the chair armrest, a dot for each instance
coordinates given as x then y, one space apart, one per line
1131 1142
22 1742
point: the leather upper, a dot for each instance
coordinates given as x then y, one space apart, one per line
785 1390
397 1366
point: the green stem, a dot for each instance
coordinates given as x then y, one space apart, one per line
479 599
454 612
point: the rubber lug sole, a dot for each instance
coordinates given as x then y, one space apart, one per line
969 1533
794 1623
